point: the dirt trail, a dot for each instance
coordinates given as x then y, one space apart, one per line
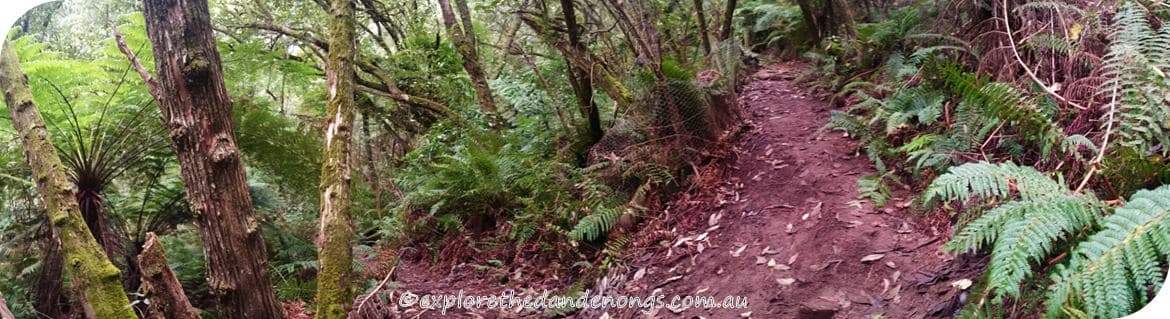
792 236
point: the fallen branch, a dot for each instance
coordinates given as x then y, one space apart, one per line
382 283
159 284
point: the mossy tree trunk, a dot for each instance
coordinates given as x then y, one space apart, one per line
160 286
197 110
463 36
335 253
94 276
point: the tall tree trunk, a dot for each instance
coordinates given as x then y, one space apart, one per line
728 17
703 27
579 79
335 254
464 39
159 285
197 110
94 276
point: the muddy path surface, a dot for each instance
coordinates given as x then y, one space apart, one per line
785 229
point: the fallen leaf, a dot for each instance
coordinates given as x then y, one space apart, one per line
739 251
761 260
962 284
872 257
891 265
786 281
793 258
771 263
671 279
767 251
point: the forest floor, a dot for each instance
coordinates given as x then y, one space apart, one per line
779 223
785 228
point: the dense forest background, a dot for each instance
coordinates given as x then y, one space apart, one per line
537 141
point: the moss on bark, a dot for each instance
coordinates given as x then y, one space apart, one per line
335 253
93 274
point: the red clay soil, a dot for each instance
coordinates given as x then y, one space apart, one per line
785 229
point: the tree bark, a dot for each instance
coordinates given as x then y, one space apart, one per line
372 178
94 276
578 78
728 16
335 254
48 288
703 27
197 110
160 286
464 39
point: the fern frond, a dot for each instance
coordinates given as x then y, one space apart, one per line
1136 81
1051 5
874 188
1072 145
1112 269
984 231
987 180
593 226
1029 237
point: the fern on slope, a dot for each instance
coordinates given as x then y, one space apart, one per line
1111 271
987 180
1037 213
1137 84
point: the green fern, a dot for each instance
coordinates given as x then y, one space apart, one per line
874 188
1110 273
596 224
1051 5
1110 270
987 180
1137 84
